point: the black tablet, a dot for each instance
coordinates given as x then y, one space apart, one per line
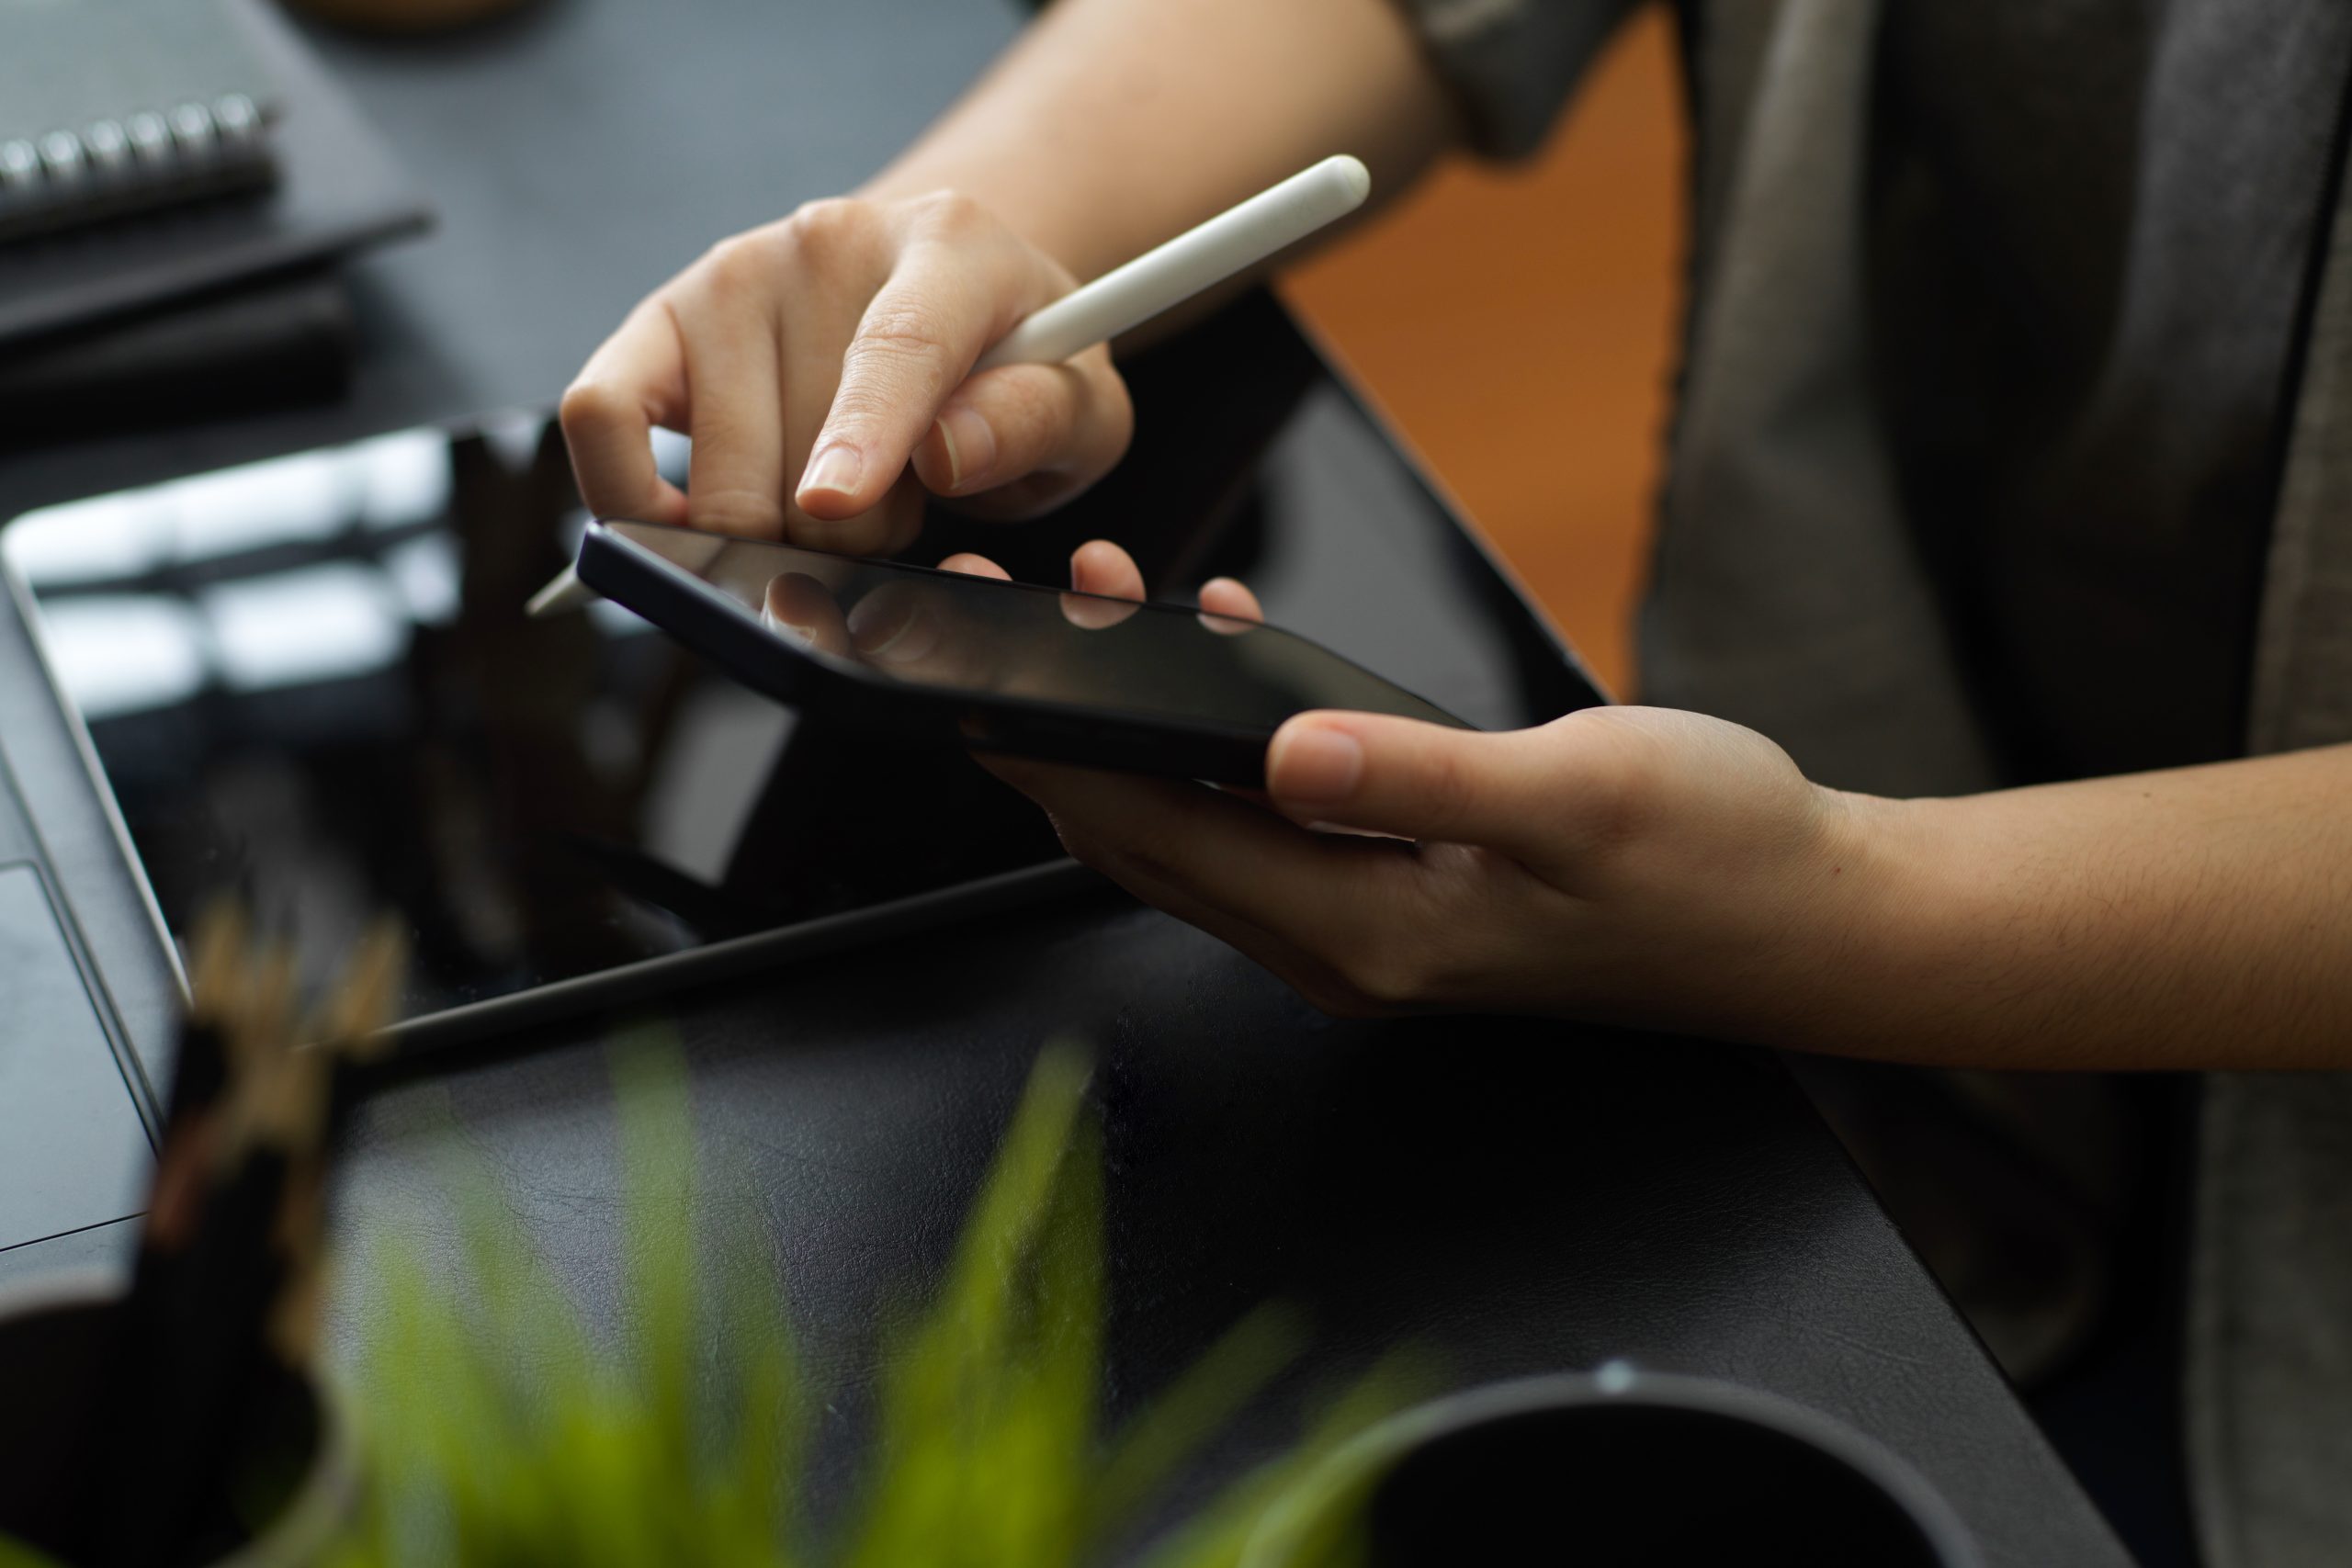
310 682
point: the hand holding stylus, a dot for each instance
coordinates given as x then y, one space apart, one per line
833 367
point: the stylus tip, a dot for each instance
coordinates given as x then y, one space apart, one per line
565 592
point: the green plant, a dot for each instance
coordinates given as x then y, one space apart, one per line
495 1434
13 1555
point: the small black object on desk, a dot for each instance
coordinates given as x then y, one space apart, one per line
177 180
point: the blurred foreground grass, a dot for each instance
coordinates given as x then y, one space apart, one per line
527 1445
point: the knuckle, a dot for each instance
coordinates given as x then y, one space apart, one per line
591 408
901 326
951 212
738 263
902 344
1617 784
827 228
1447 789
871 397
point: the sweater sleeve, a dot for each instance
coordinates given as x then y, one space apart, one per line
1512 64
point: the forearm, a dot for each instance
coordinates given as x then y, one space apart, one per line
2201 918
1113 124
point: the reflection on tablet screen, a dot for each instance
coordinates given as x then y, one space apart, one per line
309 683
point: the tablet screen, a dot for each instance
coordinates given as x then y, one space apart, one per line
309 683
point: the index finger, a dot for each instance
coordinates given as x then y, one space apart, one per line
915 343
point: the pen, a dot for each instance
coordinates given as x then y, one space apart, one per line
1127 296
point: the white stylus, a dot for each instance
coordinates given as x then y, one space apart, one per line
1157 280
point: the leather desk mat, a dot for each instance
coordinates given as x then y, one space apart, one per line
1509 1198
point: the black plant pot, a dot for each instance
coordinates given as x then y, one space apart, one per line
55 1337
1618 1470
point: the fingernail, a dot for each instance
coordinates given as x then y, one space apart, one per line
834 468
1315 766
970 444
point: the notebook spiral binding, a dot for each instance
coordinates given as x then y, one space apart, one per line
142 160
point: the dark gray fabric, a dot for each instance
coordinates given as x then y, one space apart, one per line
2302 672
1992 372
2091 226
2270 1342
1786 593
2271 1348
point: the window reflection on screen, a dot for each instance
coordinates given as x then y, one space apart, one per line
309 683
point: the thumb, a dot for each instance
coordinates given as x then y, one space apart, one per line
1409 778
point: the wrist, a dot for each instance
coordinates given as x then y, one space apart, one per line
1914 916
1859 976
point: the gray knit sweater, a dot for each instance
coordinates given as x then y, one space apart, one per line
2015 443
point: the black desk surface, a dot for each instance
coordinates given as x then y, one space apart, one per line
1520 1198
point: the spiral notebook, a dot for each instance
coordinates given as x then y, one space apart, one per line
113 106
108 228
